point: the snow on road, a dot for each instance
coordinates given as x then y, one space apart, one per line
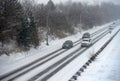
9 63
68 71
49 63
107 65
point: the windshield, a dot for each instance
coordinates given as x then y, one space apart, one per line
85 40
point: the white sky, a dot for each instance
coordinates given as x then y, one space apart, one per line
88 1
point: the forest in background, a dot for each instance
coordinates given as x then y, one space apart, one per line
25 24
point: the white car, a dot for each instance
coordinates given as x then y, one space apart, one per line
86 42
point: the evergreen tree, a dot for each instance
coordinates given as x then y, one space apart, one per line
28 35
24 36
10 13
51 6
34 32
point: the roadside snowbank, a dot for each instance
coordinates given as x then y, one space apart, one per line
74 66
107 65
9 63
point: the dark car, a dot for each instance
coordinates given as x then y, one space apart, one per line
86 35
67 44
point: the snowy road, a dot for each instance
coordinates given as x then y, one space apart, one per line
107 65
53 61
75 65
49 66
49 63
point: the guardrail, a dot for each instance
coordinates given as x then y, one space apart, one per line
78 73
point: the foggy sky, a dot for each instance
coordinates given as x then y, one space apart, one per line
84 1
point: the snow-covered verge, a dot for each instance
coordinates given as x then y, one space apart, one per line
68 71
107 65
8 63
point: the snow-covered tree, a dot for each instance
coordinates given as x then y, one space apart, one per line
34 32
24 37
10 13
28 35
